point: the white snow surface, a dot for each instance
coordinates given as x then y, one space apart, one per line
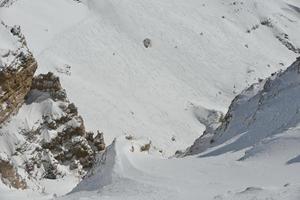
135 176
197 57
254 158
204 52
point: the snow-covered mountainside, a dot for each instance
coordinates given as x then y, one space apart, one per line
153 75
264 116
254 154
203 53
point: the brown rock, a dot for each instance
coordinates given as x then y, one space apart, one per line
15 84
10 177
99 141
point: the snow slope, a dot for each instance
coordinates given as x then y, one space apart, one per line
251 159
202 55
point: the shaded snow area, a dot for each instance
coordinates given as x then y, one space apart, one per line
154 75
258 117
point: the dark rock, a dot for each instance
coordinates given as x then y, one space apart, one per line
99 141
147 43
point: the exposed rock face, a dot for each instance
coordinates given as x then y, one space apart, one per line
53 139
98 142
15 84
17 67
63 138
50 84
10 176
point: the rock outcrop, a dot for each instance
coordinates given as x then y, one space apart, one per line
63 138
17 67
50 141
46 135
147 43
15 84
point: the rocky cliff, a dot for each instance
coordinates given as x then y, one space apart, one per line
17 67
61 133
47 138
42 136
